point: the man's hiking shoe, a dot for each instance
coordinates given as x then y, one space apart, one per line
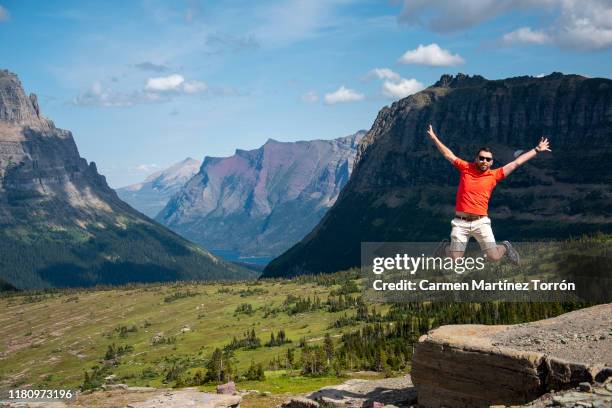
440 251
511 253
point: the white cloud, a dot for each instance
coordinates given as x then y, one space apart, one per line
581 25
310 97
384 73
174 83
393 85
97 95
145 168
431 55
342 95
165 84
402 88
160 89
194 86
4 14
584 25
444 16
526 35
96 89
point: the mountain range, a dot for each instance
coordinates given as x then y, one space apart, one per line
403 190
62 225
260 202
152 195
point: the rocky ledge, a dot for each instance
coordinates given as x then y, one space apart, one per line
395 392
481 366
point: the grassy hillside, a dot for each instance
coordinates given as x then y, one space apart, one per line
67 332
163 334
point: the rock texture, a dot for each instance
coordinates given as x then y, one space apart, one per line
227 388
403 190
152 195
359 393
189 398
598 396
260 202
398 392
479 366
62 225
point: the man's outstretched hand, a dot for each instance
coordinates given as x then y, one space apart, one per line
542 146
430 132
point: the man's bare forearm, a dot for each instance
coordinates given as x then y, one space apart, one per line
525 157
519 161
446 152
543 146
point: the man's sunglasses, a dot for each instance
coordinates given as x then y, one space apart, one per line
482 158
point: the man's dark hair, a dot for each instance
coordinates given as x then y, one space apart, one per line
484 149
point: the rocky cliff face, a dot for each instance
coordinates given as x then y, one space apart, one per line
403 190
62 225
260 202
152 195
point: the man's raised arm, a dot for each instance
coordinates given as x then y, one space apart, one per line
446 152
523 158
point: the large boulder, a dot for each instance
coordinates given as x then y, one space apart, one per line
228 388
480 366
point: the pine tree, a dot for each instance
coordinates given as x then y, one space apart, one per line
290 358
328 346
260 375
219 367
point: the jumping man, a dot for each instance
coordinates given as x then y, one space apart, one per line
477 181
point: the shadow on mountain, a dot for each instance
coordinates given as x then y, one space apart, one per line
70 275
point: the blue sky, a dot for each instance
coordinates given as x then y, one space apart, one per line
144 84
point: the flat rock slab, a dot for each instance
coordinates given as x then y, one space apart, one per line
398 391
189 398
480 366
583 335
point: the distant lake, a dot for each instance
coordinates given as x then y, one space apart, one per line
234 256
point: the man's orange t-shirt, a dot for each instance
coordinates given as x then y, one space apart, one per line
475 187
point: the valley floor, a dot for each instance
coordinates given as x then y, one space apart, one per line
49 340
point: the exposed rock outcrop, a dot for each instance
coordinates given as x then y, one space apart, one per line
227 388
359 393
479 366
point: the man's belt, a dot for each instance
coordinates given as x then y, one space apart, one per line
469 217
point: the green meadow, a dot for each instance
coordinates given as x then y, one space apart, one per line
50 339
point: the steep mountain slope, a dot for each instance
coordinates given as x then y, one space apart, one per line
260 202
403 190
60 223
152 195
